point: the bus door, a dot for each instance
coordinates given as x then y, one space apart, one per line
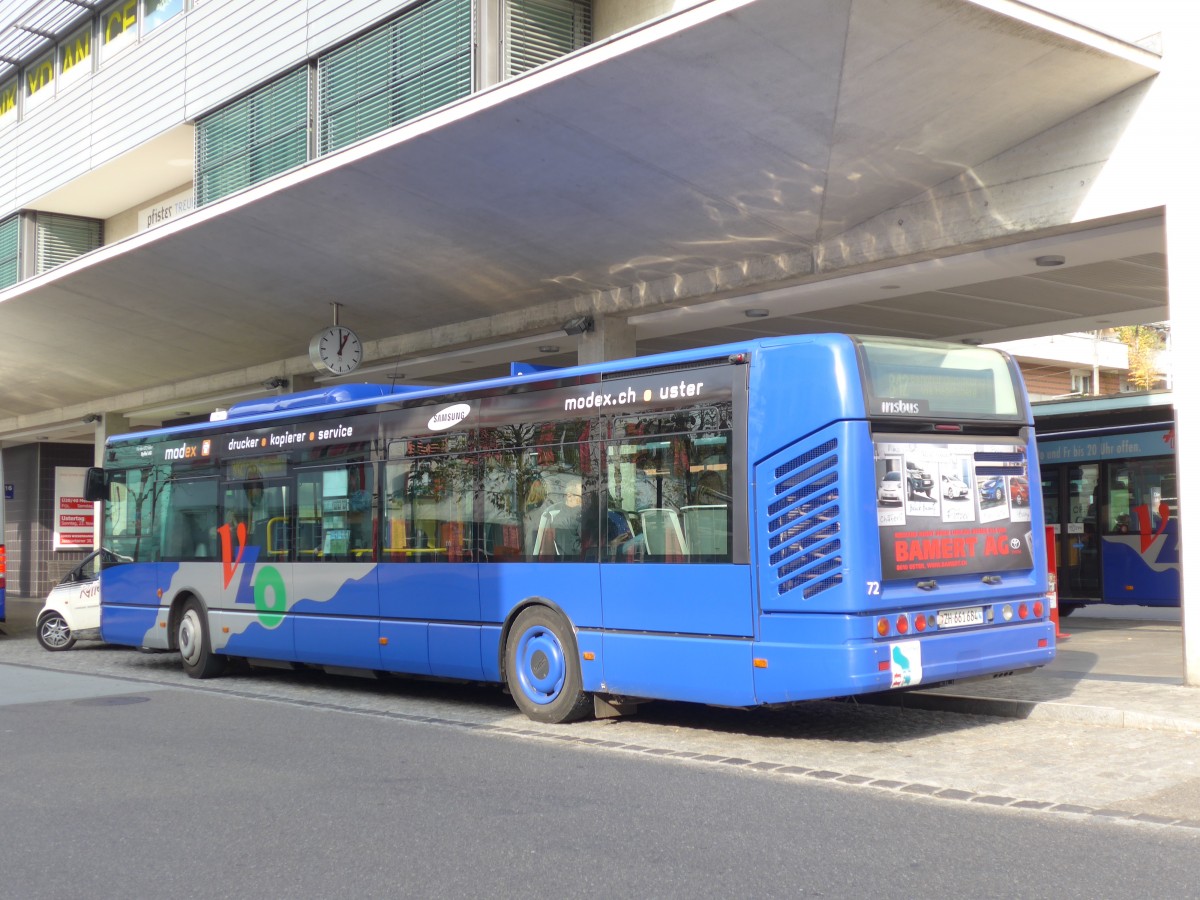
429 572
333 550
255 549
1079 542
130 593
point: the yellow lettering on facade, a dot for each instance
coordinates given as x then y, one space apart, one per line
37 77
76 50
120 20
8 98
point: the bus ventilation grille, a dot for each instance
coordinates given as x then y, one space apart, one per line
805 524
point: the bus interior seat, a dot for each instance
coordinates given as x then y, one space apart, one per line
662 533
706 528
543 545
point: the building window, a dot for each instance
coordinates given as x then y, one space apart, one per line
415 63
118 28
75 56
538 31
62 238
39 81
253 139
156 12
1081 382
8 101
10 230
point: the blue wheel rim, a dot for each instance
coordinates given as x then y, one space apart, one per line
541 666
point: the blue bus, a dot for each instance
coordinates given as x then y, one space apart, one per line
709 526
1110 493
3 554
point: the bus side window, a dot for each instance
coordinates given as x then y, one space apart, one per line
334 519
429 514
671 490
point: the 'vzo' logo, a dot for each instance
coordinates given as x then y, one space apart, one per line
449 417
267 592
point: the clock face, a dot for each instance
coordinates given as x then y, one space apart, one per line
336 350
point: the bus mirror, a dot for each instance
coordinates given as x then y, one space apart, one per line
95 485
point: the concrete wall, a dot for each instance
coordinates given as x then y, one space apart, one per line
34 566
612 16
125 223
192 64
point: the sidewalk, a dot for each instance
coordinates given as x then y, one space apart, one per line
1114 670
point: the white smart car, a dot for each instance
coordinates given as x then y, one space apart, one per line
891 488
72 609
954 488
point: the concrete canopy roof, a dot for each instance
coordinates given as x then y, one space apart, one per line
739 154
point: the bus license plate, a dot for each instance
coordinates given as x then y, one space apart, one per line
957 618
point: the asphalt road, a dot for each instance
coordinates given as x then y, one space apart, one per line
301 785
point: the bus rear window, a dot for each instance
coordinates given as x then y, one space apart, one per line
906 379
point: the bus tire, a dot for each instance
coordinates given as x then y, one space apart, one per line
195 648
541 666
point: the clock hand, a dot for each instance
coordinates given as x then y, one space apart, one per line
345 337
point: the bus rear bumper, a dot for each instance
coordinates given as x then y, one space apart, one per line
788 672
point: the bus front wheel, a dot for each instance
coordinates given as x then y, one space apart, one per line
541 666
195 648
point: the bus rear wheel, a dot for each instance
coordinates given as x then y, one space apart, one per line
541 666
195 648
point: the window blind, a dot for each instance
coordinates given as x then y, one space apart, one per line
252 139
538 31
62 238
10 229
417 62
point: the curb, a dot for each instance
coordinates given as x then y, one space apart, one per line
1046 711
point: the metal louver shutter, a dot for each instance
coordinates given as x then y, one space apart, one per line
10 228
415 63
538 31
62 238
253 139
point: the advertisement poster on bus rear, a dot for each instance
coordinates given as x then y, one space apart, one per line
952 508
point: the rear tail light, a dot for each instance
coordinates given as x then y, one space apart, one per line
919 622
1023 611
882 627
902 624
1038 609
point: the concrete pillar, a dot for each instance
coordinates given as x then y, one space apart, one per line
109 424
489 63
300 383
1181 73
610 338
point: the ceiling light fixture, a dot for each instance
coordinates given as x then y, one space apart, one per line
889 287
547 348
757 313
1050 260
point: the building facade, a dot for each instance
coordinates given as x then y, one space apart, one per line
186 186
